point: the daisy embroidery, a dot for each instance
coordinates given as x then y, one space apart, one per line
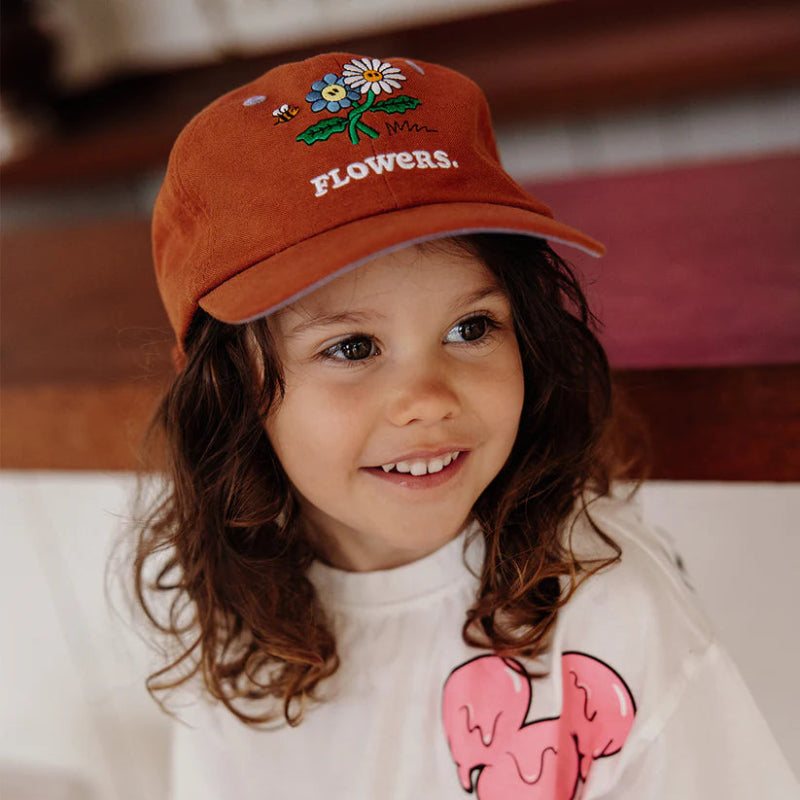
372 75
355 92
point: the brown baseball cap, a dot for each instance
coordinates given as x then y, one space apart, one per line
320 165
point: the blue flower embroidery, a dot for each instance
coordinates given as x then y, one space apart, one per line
331 93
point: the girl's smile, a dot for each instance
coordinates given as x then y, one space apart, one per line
418 472
403 392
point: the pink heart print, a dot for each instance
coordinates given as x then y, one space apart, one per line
484 707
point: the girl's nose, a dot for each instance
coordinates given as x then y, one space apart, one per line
425 397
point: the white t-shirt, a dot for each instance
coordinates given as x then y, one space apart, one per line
639 702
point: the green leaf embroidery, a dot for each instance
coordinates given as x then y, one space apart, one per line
396 105
323 130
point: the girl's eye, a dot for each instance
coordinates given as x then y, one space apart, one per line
356 349
470 330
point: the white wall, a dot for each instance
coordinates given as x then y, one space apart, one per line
73 710
71 674
741 548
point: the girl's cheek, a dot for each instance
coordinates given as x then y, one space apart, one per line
316 398
347 403
504 366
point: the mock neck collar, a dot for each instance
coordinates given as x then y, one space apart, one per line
444 567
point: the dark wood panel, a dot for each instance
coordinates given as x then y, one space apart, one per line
75 426
560 58
79 304
703 261
728 424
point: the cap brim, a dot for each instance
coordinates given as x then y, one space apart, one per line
284 277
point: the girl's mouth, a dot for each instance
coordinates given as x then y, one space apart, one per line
419 467
421 473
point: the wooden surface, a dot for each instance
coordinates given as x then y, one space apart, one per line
563 58
79 304
720 423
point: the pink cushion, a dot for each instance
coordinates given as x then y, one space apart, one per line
703 263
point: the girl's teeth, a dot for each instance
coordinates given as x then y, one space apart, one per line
422 467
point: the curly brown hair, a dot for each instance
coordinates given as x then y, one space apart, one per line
223 545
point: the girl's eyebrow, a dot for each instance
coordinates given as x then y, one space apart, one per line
479 294
362 317
322 320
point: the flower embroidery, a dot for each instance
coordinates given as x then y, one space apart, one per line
330 93
361 79
372 74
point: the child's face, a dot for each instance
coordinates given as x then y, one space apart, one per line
409 358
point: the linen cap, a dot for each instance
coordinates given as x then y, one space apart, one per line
320 165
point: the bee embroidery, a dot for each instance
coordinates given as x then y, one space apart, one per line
285 113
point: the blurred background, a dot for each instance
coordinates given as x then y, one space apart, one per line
669 131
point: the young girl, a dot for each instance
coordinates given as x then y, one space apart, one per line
391 559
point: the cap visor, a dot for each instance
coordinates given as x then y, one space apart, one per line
286 276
